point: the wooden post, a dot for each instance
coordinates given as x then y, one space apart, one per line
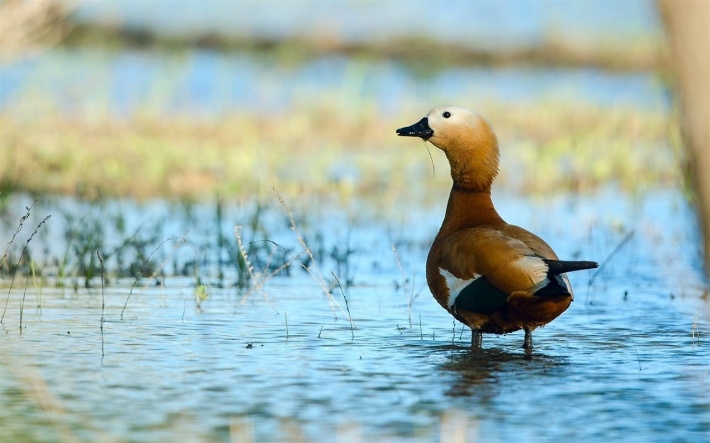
687 24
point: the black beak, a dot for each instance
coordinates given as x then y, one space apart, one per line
418 129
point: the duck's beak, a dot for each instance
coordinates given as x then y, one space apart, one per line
418 129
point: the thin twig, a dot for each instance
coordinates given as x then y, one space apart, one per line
258 280
180 241
352 331
19 228
243 252
22 303
317 276
410 294
24 250
103 301
608 258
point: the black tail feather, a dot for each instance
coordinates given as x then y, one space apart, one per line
556 267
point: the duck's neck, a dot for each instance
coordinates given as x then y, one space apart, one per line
469 208
474 169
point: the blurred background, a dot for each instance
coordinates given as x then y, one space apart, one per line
166 163
190 99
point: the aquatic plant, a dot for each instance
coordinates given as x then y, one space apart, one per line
23 254
313 268
411 296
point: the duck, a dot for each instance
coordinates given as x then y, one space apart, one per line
492 276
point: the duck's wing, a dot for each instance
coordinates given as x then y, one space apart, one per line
508 263
483 266
556 268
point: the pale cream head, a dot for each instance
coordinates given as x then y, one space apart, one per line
469 143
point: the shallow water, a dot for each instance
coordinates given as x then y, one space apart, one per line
210 83
627 362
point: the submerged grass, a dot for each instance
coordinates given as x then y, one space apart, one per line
98 248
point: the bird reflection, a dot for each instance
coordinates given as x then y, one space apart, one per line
484 372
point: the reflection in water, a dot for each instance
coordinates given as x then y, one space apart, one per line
478 373
622 360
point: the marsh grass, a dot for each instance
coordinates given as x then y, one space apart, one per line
347 306
316 149
99 247
312 268
136 253
178 241
95 230
24 253
411 296
102 320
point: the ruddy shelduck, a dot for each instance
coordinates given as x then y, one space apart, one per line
494 277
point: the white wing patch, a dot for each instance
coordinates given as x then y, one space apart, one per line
567 285
455 285
535 269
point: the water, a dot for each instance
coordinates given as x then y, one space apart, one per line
627 362
93 82
210 84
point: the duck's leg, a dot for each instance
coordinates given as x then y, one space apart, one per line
476 339
527 342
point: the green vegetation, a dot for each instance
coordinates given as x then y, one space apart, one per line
99 248
336 142
548 148
544 148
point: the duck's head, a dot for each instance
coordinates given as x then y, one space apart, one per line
467 140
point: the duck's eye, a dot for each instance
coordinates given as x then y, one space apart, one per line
446 114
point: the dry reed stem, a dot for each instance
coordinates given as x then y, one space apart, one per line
24 250
694 330
603 264
410 294
259 279
314 264
286 319
28 210
347 306
103 301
